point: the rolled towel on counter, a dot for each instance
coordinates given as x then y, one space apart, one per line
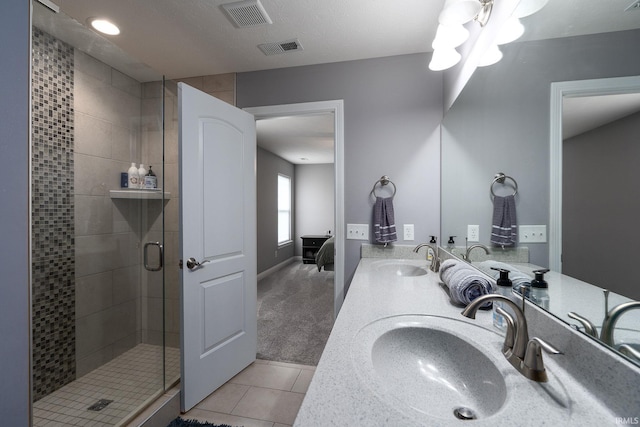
518 278
465 283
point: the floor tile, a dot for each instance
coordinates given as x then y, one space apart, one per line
224 399
268 376
269 404
302 382
293 365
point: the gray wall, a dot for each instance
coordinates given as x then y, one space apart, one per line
268 167
500 122
15 32
600 205
314 197
392 112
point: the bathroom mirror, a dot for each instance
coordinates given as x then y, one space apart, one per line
502 122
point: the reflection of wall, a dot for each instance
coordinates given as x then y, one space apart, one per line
53 286
599 206
108 254
392 112
314 196
268 167
500 122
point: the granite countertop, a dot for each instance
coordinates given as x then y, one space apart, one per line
337 396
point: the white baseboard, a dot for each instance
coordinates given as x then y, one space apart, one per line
278 266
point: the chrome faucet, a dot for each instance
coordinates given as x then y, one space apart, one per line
606 335
525 355
435 261
472 247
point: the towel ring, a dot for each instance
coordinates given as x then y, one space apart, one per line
500 178
384 180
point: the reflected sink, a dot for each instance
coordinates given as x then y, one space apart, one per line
436 368
400 268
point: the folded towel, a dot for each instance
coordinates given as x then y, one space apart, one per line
384 224
518 278
504 230
465 282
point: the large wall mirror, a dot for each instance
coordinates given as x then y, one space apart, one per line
503 121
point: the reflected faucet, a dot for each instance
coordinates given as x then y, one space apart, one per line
472 247
525 355
606 335
435 261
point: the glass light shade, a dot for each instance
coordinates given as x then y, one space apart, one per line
510 31
443 59
490 57
459 11
105 27
529 7
450 36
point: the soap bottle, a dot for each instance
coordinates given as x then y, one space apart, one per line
134 177
504 289
430 253
150 180
540 289
451 244
142 172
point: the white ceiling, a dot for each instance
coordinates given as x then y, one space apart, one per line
582 114
187 38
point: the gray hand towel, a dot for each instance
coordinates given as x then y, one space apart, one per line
384 224
504 230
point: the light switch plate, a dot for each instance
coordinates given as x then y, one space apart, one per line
358 231
533 234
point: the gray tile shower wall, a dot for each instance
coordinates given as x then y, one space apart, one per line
53 253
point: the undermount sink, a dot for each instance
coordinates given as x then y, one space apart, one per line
400 268
431 367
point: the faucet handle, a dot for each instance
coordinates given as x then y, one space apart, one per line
533 367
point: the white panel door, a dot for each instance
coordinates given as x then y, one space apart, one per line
218 232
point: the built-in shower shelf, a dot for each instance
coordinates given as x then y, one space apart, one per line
139 194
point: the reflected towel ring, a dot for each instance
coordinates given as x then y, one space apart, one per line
500 178
384 180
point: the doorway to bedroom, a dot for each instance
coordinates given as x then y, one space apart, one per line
297 147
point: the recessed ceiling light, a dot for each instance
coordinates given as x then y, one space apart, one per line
104 26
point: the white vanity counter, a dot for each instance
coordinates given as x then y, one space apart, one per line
338 395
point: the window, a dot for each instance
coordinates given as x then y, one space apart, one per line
284 209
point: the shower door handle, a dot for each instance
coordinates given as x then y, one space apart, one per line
146 256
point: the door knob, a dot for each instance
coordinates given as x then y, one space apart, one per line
192 264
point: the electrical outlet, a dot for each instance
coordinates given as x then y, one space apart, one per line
473 233
358 231
533 233
408 232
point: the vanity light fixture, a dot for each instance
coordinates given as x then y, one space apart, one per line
104 26
451 32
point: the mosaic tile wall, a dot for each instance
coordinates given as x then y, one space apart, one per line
53 262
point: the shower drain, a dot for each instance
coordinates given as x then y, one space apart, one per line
99 405
463 413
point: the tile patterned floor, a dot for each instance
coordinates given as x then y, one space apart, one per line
265 394
129 380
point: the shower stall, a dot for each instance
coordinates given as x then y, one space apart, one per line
105 275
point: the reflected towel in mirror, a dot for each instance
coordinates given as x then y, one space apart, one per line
384 223
504 229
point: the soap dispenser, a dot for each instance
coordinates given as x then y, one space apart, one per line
430 253
451 244
540 289
504 289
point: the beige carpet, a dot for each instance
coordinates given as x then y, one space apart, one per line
295 314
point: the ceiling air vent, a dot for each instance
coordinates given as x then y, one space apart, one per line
248 13
280 47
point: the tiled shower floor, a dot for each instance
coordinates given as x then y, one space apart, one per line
129 380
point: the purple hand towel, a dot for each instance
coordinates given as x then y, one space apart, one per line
384 224
504 230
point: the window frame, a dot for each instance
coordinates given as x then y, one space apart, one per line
289 241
